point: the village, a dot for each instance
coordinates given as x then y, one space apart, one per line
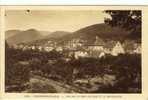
79 48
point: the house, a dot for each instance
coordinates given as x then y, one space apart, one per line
79 54
20 46
50 44
129 46
114 48
48 48
33 47
117 49
137 49
25 47
40 48
59 49
74 44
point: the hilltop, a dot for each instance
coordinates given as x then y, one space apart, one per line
88 33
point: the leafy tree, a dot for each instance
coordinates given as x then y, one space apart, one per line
127 19
15 73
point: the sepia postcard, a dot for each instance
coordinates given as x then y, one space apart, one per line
74 52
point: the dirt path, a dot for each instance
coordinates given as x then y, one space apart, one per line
59 87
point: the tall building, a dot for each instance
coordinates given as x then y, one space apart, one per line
97 48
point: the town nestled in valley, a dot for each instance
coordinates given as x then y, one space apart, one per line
80 48
99 58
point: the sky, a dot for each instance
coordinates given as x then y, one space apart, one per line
52 20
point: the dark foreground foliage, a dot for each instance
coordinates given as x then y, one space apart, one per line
21 64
